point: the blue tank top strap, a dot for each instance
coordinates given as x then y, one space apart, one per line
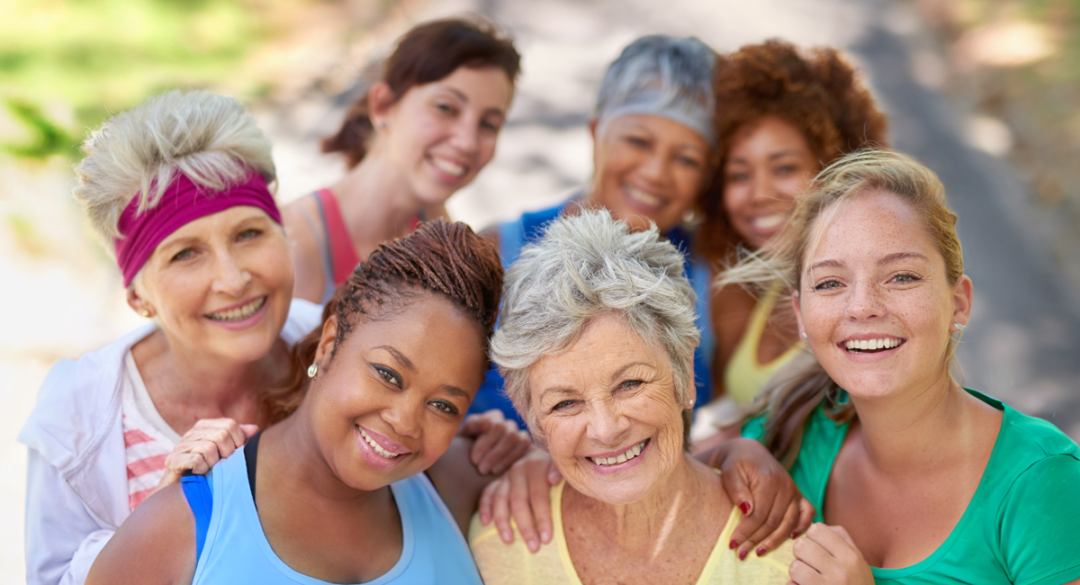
201 499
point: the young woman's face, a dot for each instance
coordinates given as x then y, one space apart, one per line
768 166
388 403
875 301
220 285
608 411
441 134
648 168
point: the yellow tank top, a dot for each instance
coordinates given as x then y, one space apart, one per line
744 376
513 564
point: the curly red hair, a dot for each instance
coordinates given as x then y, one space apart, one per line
817 91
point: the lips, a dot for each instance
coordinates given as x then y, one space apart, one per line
237 313
454 169
382 445
620 457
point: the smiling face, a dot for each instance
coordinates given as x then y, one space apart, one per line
388 402
608 411
768 166
441 134
875 301
648 168
220 285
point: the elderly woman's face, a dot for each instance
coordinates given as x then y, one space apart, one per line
221 284
648 168
608 409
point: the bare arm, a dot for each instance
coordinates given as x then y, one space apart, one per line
310 278
154 546
458 481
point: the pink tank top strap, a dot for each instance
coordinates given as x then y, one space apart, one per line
342 250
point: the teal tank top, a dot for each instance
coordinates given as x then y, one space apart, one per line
235 550
1021 526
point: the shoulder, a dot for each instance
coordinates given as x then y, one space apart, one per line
156 544
500 563
304 317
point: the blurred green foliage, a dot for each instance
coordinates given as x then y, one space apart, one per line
102 56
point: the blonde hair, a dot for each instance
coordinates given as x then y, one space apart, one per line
791 395
210 138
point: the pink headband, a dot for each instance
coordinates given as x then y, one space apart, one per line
182 203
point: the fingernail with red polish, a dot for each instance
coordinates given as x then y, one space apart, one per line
745 507
760 551
734 544
794 535
742 555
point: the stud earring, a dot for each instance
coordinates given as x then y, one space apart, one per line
312 370
803 335
145 313
959 327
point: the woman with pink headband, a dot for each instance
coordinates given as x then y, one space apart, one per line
178 189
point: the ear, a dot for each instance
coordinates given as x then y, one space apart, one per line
327 340
797 309
380 100
139 304
592 128
962 295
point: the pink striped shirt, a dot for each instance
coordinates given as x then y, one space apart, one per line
148 439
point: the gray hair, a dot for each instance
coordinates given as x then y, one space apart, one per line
210 138
663 76
585 266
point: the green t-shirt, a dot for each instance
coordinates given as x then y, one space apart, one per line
1022 525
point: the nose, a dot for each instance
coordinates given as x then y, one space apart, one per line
656 168
607 425
230 278
761 191
404 416
865 302
466 136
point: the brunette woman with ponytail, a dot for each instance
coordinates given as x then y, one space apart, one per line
919 479
420 133
352 484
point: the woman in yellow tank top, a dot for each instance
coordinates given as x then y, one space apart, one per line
783 114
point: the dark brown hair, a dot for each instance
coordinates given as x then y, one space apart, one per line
427 53
440 257
817 91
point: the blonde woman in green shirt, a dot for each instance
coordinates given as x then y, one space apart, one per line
915 478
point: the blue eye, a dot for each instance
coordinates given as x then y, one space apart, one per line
906 278
183 255
631 384
827 285
249 234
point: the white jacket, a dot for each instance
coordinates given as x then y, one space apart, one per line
76 480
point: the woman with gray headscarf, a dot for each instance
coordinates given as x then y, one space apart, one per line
596 344
653 138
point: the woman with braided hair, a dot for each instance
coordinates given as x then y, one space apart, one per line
354 466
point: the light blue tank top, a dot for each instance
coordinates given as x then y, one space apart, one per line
236 550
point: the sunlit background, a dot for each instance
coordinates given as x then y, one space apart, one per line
985 92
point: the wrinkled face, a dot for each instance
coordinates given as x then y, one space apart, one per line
648 168
220 285
388 403
608 409
769 165
875 301
441 134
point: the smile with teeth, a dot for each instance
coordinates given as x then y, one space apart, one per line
449 167
376 447
769 221
621 457
643 197
871 345
239 313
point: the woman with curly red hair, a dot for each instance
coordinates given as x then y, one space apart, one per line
783 114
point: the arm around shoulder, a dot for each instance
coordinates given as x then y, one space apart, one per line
155 546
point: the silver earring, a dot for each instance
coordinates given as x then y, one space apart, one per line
803 335
959 327
312 370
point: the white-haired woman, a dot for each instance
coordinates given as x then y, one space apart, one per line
596 344
919 479
178 189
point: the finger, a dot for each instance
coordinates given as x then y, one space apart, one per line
249 431
831 540
812 553
540 501
803 574
483 446
842 533
739 493
806 518
554 476
520 447
487 499
521 506
768 520
474 425
506 451
501 511
781 534
236 434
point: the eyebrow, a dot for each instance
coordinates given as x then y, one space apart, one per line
456 391
888 259
400 357
773 156
623 369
